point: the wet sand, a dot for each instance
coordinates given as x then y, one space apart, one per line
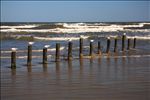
123 78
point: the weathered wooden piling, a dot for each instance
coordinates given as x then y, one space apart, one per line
128 47
115 45
29 58
108 45
123 41
91 48
81 47
70 50
13 58
99 48
57 57
134 43
45 54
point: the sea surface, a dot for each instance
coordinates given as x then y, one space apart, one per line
119 76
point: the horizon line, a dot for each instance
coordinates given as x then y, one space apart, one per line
71 21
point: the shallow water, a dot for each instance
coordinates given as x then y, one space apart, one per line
87 79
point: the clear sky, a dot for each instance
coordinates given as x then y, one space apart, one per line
75 11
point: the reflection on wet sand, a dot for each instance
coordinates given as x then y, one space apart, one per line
29 75
123 65
13 76
99 60
83 79
116 67
69 70
81 68
91 74
58 70
29 68
45 69
13 72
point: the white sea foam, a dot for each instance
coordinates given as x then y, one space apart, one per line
60 38
138 30
147 37
50 49
131 56
21 26
140 37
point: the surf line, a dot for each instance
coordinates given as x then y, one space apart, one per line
58 56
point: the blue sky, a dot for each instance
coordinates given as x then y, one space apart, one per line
75 11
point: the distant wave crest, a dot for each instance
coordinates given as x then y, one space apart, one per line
77 27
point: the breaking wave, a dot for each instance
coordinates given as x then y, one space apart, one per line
78 27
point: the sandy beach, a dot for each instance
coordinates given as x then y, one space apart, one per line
124 78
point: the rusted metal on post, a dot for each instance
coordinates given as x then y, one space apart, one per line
128 47
115 45
13 58
134 42
81 47
99 48
29 58
91 48
123 41
57 57
108 45
70 50
45 54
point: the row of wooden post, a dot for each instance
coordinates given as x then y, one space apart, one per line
70 45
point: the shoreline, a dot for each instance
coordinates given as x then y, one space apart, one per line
123 78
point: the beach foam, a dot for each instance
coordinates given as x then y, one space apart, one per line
60 38
20 26
128 56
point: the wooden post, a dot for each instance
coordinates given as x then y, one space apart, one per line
13 58
91 48
29 58
81 47
123 41
70 50
115 45
45 54
128 48
57 58
99 48
134 43
108 45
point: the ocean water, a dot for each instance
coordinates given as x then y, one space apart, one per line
120 76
